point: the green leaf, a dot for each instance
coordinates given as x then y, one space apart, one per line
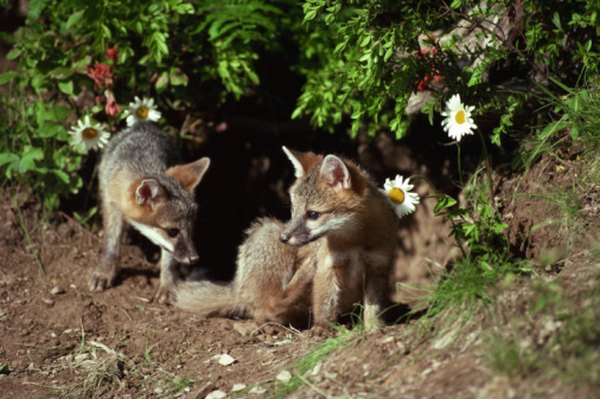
162 82
556 20
7 76
297 113
35 9
444 202
66 87
74 19
28 159
62 176
14 53
8 157
60 73
388 54
49 130
500 227
456 4
310 15
178 78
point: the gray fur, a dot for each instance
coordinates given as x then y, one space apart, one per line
141 155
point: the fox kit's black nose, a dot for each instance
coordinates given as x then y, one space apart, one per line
284 237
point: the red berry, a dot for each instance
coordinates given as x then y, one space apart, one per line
438 79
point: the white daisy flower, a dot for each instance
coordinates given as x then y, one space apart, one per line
142 110
90 134
458 121
398 192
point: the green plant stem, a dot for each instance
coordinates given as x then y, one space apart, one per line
459 165
488 167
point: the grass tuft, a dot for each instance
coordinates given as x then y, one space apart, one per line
559 337
308 362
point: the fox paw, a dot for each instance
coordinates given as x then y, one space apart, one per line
100 281
164 295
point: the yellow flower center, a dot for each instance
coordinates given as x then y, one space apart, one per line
142 112
396 195
89 133
460 117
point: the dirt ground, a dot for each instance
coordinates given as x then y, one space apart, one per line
58 339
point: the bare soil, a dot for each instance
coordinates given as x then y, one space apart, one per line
58 339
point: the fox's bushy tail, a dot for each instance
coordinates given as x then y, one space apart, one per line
210 299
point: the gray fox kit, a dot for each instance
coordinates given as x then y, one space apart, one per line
336 250
139 186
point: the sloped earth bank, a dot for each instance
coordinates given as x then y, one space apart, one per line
60 340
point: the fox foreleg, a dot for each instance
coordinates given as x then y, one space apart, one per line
375 299
104 274
167 280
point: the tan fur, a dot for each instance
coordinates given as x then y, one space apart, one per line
138 188
189 175
320 277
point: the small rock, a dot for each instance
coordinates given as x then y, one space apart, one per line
258 390
72 286
158 390
283 342
57 290
217 394
317 369
238 387
226 360
48 301
284 376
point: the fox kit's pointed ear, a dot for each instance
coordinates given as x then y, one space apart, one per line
335 172
148 192
189 175
293 157
303 162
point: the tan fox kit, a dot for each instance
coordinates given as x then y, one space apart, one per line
138 187
336 250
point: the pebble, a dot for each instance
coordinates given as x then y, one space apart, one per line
48 301
238 387
57 290
284 376
257 390
217 394
226 360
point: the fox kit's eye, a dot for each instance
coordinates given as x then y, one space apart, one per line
312 215
172 232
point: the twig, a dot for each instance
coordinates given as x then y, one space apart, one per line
31 244
312 386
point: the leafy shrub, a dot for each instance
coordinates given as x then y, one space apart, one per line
372 57
85 58
365 62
